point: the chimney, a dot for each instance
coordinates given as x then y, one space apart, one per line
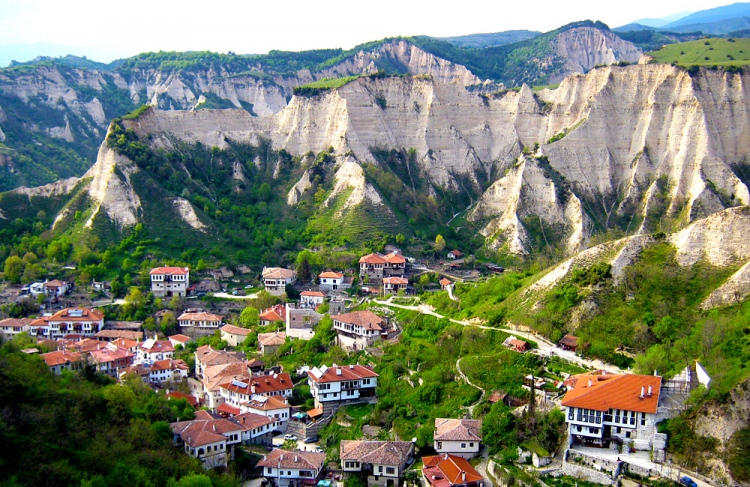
338 370
590 383
351 366
643 392
296 459
650 392
463 476
214 427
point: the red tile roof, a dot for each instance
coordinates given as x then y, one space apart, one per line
110 353
156 346
274 313
180 395
251 421
175 271
394 258
569 341
366 319
76 314
179 338
608 391
228 409
347 372
445 282
60 357
446 470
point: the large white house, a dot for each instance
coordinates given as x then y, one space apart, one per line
341 384
152 350
331 281
69 321
601 408
238 401
170 281
292 468
275 279
358 330
461 437
201 320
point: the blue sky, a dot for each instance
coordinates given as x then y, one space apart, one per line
105 30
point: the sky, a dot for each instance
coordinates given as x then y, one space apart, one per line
105 30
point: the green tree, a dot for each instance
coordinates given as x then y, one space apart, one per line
249 317
439 243
14 268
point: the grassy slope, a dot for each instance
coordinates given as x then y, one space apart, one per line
706 52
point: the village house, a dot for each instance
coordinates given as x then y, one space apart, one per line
275 279
516 345
110 335
601 408
179 339
60 360
331 281
152 350
448 470
13 326
358 330
215 375
209 439
129 345
382 461
269 343
341 384
377 266
111 359
392 285
293 469
201 320
234 335
445 283
69 321
569 342
206 356
273 314
55 288
461 437
455 254
167 370
170 281
311 299
238 397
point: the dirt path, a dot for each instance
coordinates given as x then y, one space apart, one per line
545 347
466 379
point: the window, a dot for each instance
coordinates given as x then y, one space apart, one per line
380 469
570 414
390 470
643 419
471 445
439 445
463 445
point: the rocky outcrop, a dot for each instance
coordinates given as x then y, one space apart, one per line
111 191
584 48
619 146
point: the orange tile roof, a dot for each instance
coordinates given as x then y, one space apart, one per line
16 322
331 275
266 403
86 314
179 271
372 259
446 470
192 400
180 338
60 357
396 281
445 282
394 258
313 293
608 391
274 313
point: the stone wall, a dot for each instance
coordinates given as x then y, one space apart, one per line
581 472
